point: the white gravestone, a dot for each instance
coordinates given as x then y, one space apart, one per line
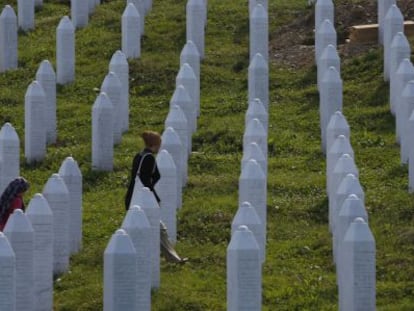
146 200
358 286
195 13
253 3
382 7
253 151
9 155
187 78
338 125
120 273
329 58
19 232
26 14
407 107
258 80
410 142
41 218
404 73
253 189
8 39
113 88
246 215
131 32
7 275
330 97
182 99
72 176
172 143
400 50
244 272
177 120
344 166
324 36
256 110
324 9
166 189
102 134
137 226
259 33
57 195
255 132
65 51
119 65
393 24
91 6
46 76
340 146
79 13
140 6
35 123
190 55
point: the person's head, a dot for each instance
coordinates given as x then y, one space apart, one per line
16 187
152 140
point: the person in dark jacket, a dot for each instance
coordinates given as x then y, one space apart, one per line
12 199
144 165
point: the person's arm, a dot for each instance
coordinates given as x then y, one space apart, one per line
149 174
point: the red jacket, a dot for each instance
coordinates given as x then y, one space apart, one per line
17 203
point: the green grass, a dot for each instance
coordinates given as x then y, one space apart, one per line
298 273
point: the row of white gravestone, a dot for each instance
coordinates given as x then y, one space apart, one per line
9 155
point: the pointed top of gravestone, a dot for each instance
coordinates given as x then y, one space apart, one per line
252 170
338 121
408 91
246 214
394 13
118 58
66 24
18 222
331 75
405 67
259 12
180 95
165 160
341 145
6 249
256 107
326 28
253 151
135 218
55 185
38 205
170 137
359 231
8 13
190 49
35 90
131 11
69 167
400 41
45 69
186 72
255 127
111 81
350 184
146 199
353 207
258 62
346 164
243 239
120 243
329 53
103 102
176 114
8 132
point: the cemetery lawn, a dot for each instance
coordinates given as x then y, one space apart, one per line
298 273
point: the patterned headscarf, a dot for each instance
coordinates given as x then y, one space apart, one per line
16 186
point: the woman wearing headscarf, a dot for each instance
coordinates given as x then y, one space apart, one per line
12 199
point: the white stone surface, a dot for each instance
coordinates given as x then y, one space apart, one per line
7 275
146 200
253 151
41 218
35 123
72 176
46 76
65 51
166 189
8 39
19 232
255 132
26 14
102 134
393 23
358 286
253 3
57 195
382 7
91 6
131 32
190 55
148 6
405 73
137 226
187 78
324 36
120 273
324 9
79 13
258 80
244 272
113 88
344 166
256 110
196 15
119 65
9 155
338 125
183 100
140 6
407 103
330 99
410 142
246 215
329 58
259 32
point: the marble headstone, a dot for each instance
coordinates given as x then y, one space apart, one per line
65 51
8 39
131 32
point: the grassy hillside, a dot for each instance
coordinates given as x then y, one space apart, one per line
298 273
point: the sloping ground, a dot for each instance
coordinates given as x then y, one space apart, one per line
298 273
